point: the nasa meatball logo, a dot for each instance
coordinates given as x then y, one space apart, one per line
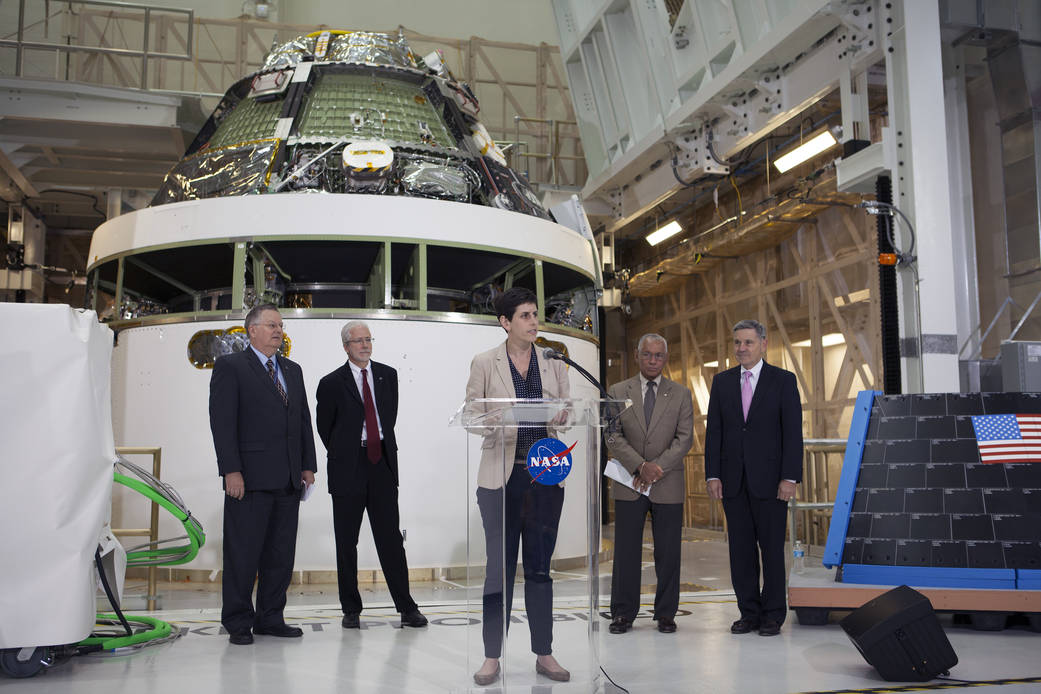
549 461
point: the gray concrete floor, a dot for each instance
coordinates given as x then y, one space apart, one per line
702 656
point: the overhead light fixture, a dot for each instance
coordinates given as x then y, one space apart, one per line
829 340
808 149
711 364
662 233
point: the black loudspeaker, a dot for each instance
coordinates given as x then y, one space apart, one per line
899 635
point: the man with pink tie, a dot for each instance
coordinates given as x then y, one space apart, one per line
753 462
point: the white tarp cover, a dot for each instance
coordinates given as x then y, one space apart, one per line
56 457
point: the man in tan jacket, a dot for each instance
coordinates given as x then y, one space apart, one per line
656 433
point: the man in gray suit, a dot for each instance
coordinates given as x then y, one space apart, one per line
657 432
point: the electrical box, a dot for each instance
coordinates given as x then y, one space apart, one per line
1021 367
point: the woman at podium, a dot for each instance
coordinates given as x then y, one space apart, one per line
517 514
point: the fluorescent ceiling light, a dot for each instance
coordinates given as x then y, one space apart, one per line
806 150
711 364
829 340
659 235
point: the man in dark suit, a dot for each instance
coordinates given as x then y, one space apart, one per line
656 434
753 462
265 452
357 410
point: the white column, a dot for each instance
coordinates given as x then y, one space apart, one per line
922 190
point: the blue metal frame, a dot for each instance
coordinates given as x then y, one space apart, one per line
848 480
944 577
1028 579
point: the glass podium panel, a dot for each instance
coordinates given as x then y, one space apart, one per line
533 547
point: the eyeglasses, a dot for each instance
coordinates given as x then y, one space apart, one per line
360 340
659 356
271 326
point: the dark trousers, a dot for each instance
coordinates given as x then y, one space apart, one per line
667 528
377 493
756 528
532 514
259 543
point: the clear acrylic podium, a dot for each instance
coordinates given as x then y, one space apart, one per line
552 530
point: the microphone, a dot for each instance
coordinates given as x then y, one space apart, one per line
550 353
612 421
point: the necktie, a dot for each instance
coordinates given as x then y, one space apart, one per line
648 403
278 384
372 429
746 393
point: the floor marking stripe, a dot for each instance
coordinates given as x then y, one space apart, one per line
953 684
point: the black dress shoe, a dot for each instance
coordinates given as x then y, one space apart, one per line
351 621
414 618
769 628
620 625
667 625
743 626
241 638
283 630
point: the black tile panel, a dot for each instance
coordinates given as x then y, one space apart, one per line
913 552
1012 403
897 428
936 428
896 526
1024 475
963 501
929 404
879 552
1024 528
905 476
985 475
972 527
872 476
893 405
913 451
885 501
1022 555
945 475
923 500
963 427
954 451
859 525
1029 403
1032 497
931 526
860 499
964 403
874 452
852 551
1000 403
985 555
1004 501
949 554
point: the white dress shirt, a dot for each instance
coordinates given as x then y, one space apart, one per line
356 372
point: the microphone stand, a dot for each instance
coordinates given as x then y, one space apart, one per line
612 422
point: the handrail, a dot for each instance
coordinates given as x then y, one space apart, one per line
20 44
812 446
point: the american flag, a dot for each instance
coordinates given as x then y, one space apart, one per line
1008 438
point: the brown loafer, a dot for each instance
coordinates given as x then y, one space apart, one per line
484 680
560 675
